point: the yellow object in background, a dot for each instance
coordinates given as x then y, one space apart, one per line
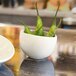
16 61
64 5
31 4
12 33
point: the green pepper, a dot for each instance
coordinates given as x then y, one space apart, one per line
39 29
53 27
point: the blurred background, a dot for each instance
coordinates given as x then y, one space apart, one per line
12 12
42 4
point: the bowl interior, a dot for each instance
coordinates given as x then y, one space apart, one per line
6 49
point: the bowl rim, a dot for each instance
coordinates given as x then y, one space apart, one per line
22 31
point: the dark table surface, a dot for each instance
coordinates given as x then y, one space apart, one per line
32 67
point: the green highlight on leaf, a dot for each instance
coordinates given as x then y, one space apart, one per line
27 30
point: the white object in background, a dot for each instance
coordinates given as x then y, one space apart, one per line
69 21
61 48
70 49
6 49
74 10
55 56
37 47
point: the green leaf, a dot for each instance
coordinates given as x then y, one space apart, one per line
52 31
39 29
40 32
27 30
39 23
53 27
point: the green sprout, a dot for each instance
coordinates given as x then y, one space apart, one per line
39 29
39 26
27 29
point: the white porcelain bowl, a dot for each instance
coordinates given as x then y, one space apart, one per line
37 47
6 49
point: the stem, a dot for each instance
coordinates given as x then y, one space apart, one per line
58 3
59 23
57 10
37 9
21 22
